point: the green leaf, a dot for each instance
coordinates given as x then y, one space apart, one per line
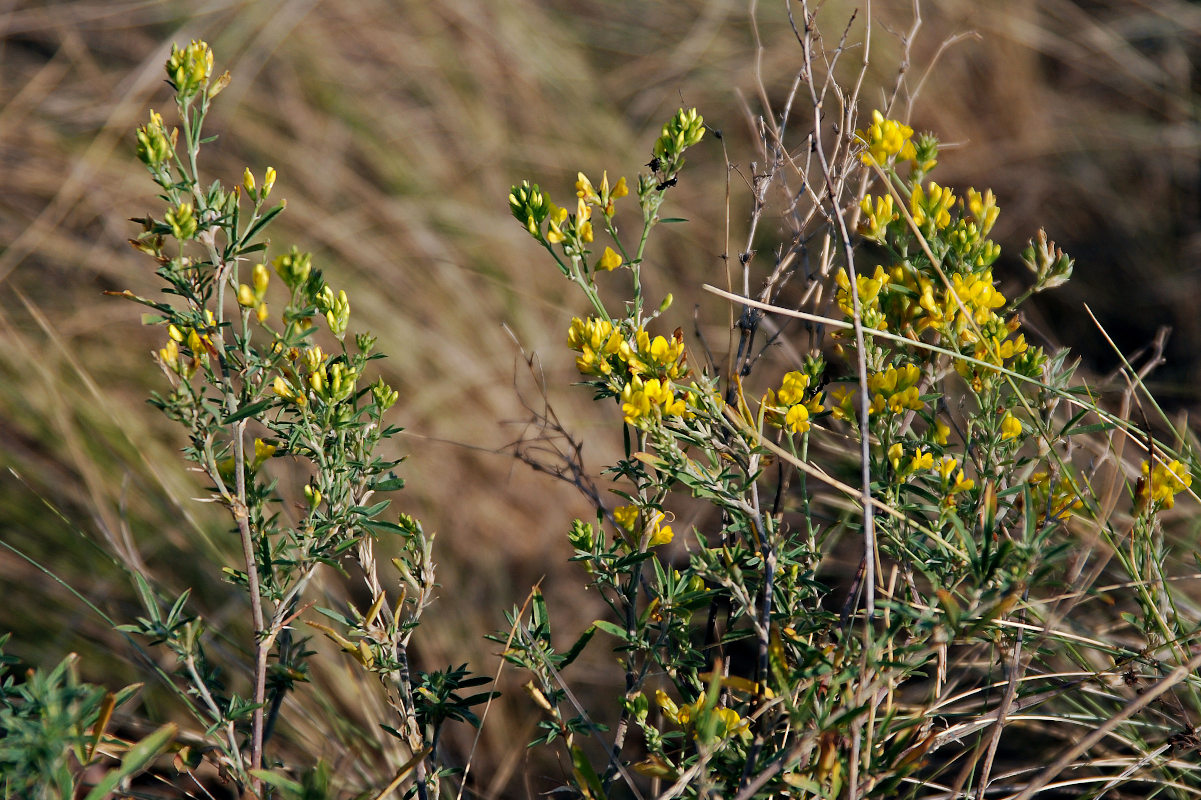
249 410
259 224
670 220
611 629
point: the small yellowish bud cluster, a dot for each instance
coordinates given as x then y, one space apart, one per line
189 69
1159 484
249 186
1059 501
652 529
182 220
155 145
385 396
684 130
336 309
885 139
313 495
284 388
293 267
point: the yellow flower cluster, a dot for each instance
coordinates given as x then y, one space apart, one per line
1059 501
790 409
920 460
200 345
656 532
643 401
691 716
1160 484
604 351
894 389
576 227
884 139
876 216
869 296
953 479
601 198
931 208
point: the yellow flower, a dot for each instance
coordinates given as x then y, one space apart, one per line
921 460
931 205
1160 484
609 261
796 419
895 389
659 534
983 208
1011 427
876 217
940 433
885 138
894 456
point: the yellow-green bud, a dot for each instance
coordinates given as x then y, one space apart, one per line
313 495
188 70
385 395
293 267
666 304
246 298
154 145
182 221
268 182
248 182
259 277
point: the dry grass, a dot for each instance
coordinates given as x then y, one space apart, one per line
397 130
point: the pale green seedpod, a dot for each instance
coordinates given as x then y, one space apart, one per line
666 304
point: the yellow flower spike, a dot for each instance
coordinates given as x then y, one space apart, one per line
894 456
885 138
609 261
1011 427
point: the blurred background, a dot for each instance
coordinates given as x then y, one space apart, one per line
397 129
